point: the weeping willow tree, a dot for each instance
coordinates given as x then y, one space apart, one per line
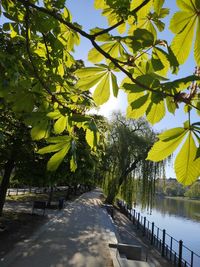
128 173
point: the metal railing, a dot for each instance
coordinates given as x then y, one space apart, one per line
169 248
23 191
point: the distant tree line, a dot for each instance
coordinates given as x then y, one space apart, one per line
170 187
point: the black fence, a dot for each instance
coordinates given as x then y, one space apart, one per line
170 248
73 190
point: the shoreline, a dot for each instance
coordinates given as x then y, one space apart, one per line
184 199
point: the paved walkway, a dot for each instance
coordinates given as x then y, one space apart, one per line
128 233
77 237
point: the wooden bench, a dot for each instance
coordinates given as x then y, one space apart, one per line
41 205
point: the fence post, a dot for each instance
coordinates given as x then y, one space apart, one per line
157 242
134 216
171 248
175 258
192 257
180 253
144 226
138 222
163 243
130 214
152 233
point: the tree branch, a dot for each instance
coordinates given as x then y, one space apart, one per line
98 48
108 29
47 50
53 97
133 12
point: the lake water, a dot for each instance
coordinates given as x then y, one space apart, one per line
180 219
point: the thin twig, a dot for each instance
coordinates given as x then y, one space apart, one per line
98 48
108 29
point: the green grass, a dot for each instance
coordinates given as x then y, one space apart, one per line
29 197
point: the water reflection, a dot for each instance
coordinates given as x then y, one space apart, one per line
178 208
180 219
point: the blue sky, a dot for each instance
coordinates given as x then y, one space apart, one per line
84 13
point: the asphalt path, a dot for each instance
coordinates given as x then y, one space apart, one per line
77 236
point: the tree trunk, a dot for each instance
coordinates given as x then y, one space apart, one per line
50 196
115 185
5 183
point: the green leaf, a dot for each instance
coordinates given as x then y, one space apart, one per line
163 12
182 42
40 130
102 91
155 112
171 134
23 101
143 37
94 56
186 167
68 37
51 148
89 71
90 138
158 5
60 70
134 88
73 164
171 106
180 84
174 64
40 50
185 5
91 76
99 4
113 48
198 153
114 85
80 118
183 24
54 114
60 125
162 149
59 139
139 102
88 82
140 105
197 44
179 21
143 11
57 158
66 14
186 124
163 57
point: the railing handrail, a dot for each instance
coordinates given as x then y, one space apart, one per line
150 227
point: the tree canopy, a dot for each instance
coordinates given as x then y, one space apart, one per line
127 170
50 91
